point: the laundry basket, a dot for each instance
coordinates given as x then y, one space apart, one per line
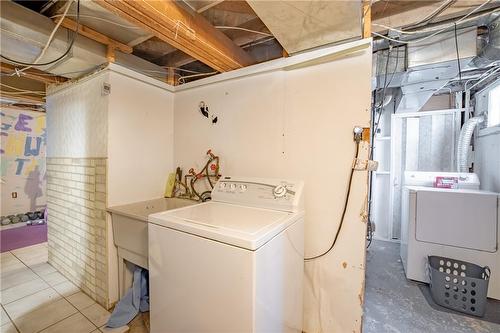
459 285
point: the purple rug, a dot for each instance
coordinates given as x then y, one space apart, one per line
15 238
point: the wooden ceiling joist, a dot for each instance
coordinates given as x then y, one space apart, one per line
95 35
33 73
386 8
28 99
188 32
239 37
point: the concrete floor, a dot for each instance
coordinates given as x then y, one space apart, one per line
395 304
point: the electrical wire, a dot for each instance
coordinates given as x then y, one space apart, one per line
433 14
49 41
344 211
101 19
182 78
415 41
458 54
243 29
38 92
61 74
68 50
257 42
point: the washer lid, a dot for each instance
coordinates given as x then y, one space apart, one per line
241 226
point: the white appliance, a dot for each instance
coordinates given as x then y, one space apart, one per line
456 223
234 264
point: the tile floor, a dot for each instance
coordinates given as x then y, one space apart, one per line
35 297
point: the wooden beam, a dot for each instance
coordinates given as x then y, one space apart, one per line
110 54
33 73
23 98
95 35
239 37
367 19
386 8
209 5
171 79
190 33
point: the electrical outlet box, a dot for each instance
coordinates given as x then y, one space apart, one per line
14 195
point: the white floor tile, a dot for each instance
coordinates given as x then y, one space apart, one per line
43 269
54 278
16 278
76 323
4 318
45 316
8 328
66 288
5 257
122 329
80 300
22 290
97 314
32 255
30 303
10 267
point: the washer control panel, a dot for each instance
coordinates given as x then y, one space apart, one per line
276 194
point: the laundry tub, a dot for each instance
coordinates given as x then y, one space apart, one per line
130 232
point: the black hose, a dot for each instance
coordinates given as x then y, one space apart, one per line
346 202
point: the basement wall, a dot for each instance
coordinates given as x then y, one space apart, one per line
296 124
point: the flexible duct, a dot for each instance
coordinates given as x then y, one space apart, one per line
464 143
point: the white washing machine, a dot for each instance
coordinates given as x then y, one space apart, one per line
456 223
234 264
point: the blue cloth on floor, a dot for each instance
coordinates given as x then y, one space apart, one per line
136 299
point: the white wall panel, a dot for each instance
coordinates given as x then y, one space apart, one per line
77 120
140 140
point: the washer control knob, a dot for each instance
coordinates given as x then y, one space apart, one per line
222 185
243 188
232 187
279 191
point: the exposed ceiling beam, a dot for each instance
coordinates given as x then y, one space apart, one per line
33 73
95 35
367 19
209 5
239 37
386 8
407 13
29 99
190 33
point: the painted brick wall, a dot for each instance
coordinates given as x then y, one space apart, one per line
76 202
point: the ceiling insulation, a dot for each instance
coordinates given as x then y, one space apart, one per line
302 25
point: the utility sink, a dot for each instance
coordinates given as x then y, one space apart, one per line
130 230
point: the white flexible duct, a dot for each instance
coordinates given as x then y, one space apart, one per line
464 143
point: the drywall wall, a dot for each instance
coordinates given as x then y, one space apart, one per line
22 156
140 140
140 149
296 124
